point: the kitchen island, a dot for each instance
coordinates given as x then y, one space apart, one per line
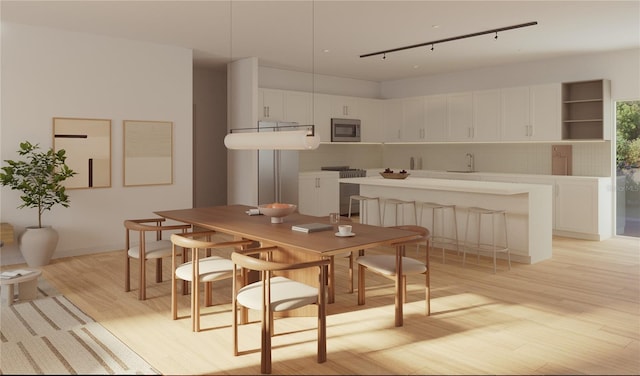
528 206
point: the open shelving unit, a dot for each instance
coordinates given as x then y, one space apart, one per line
586 110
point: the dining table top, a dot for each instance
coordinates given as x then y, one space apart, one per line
235 220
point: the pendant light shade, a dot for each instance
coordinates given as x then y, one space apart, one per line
287 140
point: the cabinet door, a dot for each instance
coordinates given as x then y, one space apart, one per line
545 118
322 116
307 186
435 118
328 196
371 120
345 107
486 115
270 103
515 114
413 119
392 120
318 193
577 206
460 116
297 107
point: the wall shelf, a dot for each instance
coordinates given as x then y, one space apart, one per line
586 109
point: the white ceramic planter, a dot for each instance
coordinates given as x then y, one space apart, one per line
38 244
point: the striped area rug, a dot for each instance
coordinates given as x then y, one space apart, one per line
50 335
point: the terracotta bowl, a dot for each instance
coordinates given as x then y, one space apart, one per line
394 175
277 211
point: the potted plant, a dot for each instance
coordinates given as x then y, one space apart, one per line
39 178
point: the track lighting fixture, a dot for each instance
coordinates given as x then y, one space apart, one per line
432 43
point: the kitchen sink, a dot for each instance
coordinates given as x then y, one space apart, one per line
462 171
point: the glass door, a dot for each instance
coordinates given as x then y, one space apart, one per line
628 168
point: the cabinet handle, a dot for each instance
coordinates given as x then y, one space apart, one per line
531 131
317 182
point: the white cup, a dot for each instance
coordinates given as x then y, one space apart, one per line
344 229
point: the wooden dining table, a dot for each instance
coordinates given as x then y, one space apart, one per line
297 246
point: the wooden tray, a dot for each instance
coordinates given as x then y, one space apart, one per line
394 175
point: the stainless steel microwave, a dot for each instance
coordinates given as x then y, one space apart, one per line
345 130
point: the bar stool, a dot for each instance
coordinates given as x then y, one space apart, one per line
438 234
398 204
486 247
364 218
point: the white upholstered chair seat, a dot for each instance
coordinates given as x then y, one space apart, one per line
286 294
386 264
210 268
152 250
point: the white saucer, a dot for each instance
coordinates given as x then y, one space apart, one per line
346 235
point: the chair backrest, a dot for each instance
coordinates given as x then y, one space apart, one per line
243 259
194 240
144 225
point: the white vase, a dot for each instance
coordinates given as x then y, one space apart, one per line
37 245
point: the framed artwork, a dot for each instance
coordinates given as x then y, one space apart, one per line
148 152
87 143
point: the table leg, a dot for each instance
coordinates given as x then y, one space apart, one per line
28 290
8 294
399 289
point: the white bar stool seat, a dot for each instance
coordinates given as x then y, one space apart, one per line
438 234
397 203
479 246
364 213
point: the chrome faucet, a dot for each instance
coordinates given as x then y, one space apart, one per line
470 164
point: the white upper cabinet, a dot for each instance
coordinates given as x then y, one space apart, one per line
322 116
460 116
297 107
344 107
435 118
270 105
546 119
531 113
392 120
486 115
413 119
371 119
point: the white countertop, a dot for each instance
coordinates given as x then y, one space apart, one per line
472 186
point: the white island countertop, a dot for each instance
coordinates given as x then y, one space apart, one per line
470 186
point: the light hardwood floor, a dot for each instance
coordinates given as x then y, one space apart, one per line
578 313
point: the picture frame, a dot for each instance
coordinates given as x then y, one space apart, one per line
147 152
87 145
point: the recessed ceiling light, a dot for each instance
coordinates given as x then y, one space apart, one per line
416 66
435 26
325 50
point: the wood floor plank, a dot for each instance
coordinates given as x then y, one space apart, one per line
578 313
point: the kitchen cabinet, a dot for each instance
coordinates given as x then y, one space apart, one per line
412 128
392 120
435 118
460 116
298 107
371 111
270 105
586 110
583 208
486 115
531 113
344 107
318 193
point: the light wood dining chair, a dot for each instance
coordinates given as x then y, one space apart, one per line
146 249
208 269
385 265
273 293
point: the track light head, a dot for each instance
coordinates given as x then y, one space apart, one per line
384 56
432 47
496 37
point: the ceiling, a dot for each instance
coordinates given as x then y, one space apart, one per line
327 37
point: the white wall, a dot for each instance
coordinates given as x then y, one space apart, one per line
209 129
621 67
49 73
273 78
